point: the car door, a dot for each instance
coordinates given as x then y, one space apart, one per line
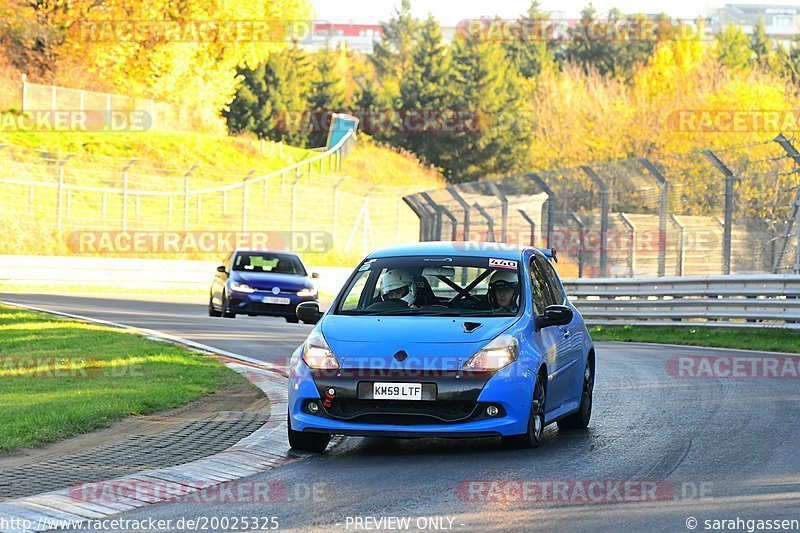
553 339
572 334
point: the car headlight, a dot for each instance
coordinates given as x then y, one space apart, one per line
317 354
502 351
307 291
242 287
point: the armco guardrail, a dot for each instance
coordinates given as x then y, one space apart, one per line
708 301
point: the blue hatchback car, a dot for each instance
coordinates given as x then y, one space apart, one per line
258 282
443 340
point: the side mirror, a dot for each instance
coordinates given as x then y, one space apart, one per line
315 274
222 269
554 315
309 312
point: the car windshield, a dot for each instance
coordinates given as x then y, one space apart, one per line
433 286
268 262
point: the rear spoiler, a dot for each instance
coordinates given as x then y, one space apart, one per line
550 253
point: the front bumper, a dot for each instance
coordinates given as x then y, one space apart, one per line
458 410
252 304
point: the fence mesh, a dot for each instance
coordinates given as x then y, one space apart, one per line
47 200
707 212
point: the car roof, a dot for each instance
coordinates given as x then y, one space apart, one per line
475 249
261 250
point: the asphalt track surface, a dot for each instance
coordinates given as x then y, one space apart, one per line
702 449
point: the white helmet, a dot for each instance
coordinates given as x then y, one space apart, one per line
397 279
504 278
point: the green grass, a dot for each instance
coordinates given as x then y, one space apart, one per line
770 340
60 378
169 151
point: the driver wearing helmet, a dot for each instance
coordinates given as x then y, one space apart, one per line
503 291
397 284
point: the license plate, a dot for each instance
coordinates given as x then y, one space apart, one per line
276 300
397 391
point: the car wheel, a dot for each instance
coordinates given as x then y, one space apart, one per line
580 419
292 319
226 312
532 438
307 442
211 310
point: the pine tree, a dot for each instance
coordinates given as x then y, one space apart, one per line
327 95
483 82
423 92
270 101
531 52
760 45
733 48
392 55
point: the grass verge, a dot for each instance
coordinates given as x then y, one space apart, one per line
770 340
60 378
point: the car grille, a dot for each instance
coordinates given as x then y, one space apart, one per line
402 412
270 308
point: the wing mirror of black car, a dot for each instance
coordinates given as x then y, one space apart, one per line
315 274
309 312
222 269
554 315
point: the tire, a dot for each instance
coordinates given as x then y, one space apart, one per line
292 319
307 442
211 310
581 418
226 313
532 438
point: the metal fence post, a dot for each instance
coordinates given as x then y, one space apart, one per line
795 155
186 198
531 223
605 210
797 232
727 230
631 245
60 194
437 230
503 210
24 105
424 215
489 221
335 221
465 206
681 244
663 212
581 228
551 206
125 195
294 201
246 198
